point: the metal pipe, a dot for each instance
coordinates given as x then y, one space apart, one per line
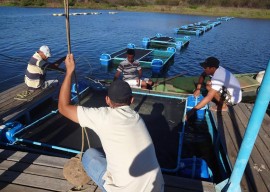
251 134
47 145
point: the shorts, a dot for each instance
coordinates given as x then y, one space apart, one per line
226 96
133 83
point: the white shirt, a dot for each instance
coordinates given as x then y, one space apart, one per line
132 165
223 77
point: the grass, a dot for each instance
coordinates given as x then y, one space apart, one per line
185 9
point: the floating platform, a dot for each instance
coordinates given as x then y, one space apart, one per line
163 42
156 60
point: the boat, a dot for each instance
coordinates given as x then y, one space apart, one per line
185 85
164 117
156 60
160 41
162 114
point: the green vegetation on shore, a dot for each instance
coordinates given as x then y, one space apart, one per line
164 6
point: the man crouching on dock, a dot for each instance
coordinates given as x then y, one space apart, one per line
223 88
128 162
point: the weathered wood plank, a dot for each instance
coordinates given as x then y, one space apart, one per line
7 187
36 159
32 169
36 181
233 124
12 109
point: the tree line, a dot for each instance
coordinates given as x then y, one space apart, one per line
264 4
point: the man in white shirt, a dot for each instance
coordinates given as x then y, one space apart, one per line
223 88
128 161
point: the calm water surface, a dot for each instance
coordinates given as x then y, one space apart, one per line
242 45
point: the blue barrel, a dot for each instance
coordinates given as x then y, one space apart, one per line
192 102
158 35
145 42
131 46
171 49
196 168
105 59
176 30
178 45
156 65
187 38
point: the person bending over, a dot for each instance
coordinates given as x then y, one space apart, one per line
36 69
223 88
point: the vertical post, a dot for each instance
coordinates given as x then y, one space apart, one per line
66 5
251 133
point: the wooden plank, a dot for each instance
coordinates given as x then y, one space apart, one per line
235 141
13 109
36 159
36 181
235 122
7 187
266 120
32 169
223 125
187 184
260 157
262 141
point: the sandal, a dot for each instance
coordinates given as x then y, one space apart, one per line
22 96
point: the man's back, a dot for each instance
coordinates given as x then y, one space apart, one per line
131 160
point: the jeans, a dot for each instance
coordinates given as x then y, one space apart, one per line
95 165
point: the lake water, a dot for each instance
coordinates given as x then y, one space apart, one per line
242 45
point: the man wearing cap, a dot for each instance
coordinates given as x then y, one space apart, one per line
132 72
223 88
128 161
36 68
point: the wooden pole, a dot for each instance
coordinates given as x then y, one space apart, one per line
69 44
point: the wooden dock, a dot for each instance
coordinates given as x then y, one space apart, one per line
231 127
12 109
22 171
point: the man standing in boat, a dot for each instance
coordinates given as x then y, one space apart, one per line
36 69
223 88
132 72
128 161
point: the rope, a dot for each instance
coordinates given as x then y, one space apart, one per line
74 73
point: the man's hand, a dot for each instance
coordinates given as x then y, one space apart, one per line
138 81
70 64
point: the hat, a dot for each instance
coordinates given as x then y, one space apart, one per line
210 62
119 91
131 52
46 50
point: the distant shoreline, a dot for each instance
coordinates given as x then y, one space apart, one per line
184 10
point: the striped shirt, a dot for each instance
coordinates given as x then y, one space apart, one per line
34 75
128 69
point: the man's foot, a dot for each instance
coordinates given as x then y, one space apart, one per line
215 108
